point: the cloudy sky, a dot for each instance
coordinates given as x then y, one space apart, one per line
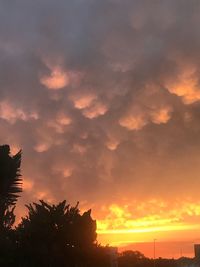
103 97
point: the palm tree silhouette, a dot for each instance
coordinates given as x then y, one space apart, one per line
10 185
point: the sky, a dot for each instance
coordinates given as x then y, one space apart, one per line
103 97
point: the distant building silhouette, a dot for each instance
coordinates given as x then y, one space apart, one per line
197 254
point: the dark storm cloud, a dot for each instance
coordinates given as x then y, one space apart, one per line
102 96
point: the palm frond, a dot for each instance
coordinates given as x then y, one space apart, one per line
10 178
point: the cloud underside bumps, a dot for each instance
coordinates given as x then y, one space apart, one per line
103 98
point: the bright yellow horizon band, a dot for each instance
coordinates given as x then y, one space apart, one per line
151 229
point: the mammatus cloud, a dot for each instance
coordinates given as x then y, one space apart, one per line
11 114
89 104
138 118
103 98
186 85
56 80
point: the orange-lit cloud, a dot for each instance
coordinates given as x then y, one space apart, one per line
57 79
186 85
112 144
42 147
11 113
138 118
96 110
133 122
83 101
162 115
89 104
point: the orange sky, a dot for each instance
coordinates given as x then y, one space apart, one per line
167 245
175 228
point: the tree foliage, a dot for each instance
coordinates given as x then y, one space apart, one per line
10 185
56 234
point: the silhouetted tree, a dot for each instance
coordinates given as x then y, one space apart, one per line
56 235
10 185
131 258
